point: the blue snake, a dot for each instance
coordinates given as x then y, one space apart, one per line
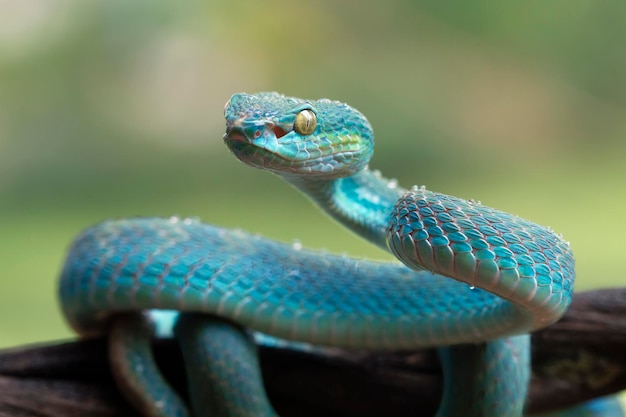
468 274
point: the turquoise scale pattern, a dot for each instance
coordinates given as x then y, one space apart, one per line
222 359
477 377
275 288
136 372
519 260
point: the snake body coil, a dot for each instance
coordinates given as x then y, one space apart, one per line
469 273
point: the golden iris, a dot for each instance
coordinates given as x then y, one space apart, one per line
306 122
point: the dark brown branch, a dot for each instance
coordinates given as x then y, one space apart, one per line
580 357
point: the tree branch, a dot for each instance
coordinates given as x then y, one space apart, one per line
578 358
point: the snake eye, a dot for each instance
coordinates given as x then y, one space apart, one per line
306 122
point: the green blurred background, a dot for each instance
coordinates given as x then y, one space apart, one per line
114 108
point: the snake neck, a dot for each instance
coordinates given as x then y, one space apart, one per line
362 202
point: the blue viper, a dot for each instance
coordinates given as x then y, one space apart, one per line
468 274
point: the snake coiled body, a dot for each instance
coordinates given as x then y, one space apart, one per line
468 273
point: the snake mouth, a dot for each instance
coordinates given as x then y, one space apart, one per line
279 132
249 142
270 146
247 152
235 137
260 157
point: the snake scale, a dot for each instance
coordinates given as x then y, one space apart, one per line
469 274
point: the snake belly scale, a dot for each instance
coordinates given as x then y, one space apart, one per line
469 274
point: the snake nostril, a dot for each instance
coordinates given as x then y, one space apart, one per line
279 132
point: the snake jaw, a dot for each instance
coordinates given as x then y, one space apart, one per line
265 149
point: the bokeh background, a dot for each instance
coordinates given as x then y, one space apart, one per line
115 108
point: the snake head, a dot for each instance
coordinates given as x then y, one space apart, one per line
291 136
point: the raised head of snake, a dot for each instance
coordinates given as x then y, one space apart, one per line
291 136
